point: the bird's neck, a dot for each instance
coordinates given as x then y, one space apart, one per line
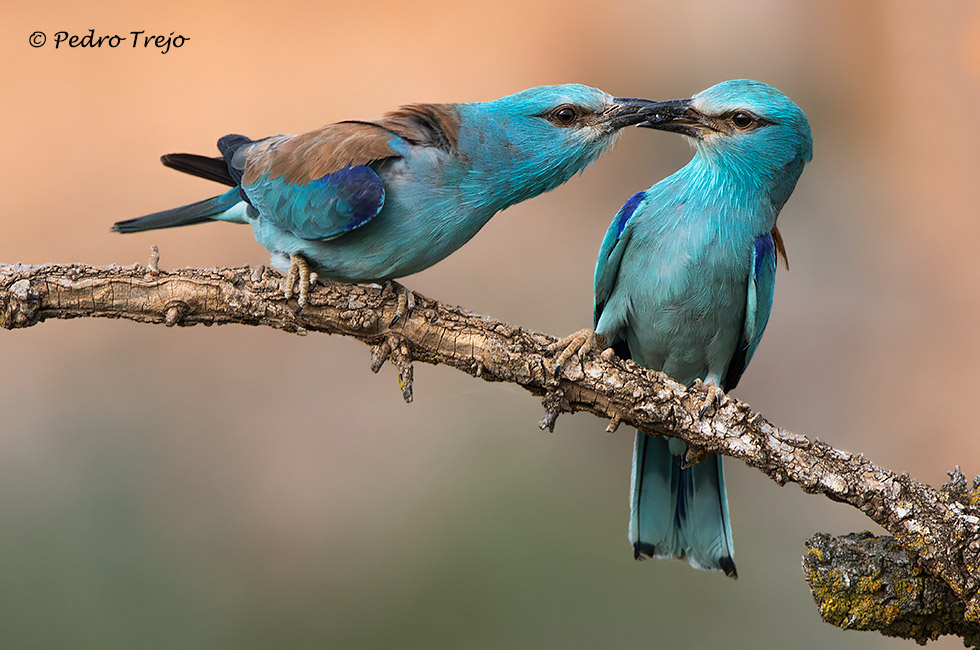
519 182
731 196
740 169
502 165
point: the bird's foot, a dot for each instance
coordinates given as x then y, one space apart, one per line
713 401
406 300
299 276
581 343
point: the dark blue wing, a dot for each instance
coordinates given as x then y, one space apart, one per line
607 265
758 304
324 208
321 184
611 253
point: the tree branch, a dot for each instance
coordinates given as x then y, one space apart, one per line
940 529
864 582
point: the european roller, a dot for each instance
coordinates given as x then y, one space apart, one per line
684 284
372 201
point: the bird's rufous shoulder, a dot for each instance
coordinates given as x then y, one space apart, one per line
301 159
304 158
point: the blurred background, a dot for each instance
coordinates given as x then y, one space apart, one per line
245 488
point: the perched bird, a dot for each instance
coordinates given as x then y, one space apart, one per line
374 201
684 284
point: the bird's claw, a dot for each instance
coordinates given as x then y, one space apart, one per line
299 276
581 343
406 300
713 401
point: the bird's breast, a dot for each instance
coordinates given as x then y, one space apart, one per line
687 304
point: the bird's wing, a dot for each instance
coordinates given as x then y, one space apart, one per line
318 185
758 303
322 184
610 255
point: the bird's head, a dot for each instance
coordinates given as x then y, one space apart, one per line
741 125
570 112
542 136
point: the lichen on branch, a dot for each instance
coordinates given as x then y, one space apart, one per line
865 582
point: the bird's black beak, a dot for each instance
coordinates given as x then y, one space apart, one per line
676 115
626 111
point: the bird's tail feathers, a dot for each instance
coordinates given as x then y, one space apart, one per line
212 169
199 212
230 144
680 513
220 169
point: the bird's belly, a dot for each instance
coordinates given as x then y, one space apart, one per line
693 333
400 241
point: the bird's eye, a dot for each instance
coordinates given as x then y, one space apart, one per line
564 115
742 120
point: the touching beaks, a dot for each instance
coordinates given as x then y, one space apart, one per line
626 111
678 116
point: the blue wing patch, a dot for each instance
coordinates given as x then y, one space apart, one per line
323 209
611 252
758 304
627 211
359 194
765 249
763 282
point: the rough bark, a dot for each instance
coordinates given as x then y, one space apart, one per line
866 582
939 529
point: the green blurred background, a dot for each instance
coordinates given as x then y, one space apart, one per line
244 488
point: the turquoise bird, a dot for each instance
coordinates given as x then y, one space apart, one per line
684 284
374 201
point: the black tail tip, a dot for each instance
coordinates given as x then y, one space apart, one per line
123 226
642 550
727 565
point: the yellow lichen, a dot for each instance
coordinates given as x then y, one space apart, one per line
817 553
850 602
974 497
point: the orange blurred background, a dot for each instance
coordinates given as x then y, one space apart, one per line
244 488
